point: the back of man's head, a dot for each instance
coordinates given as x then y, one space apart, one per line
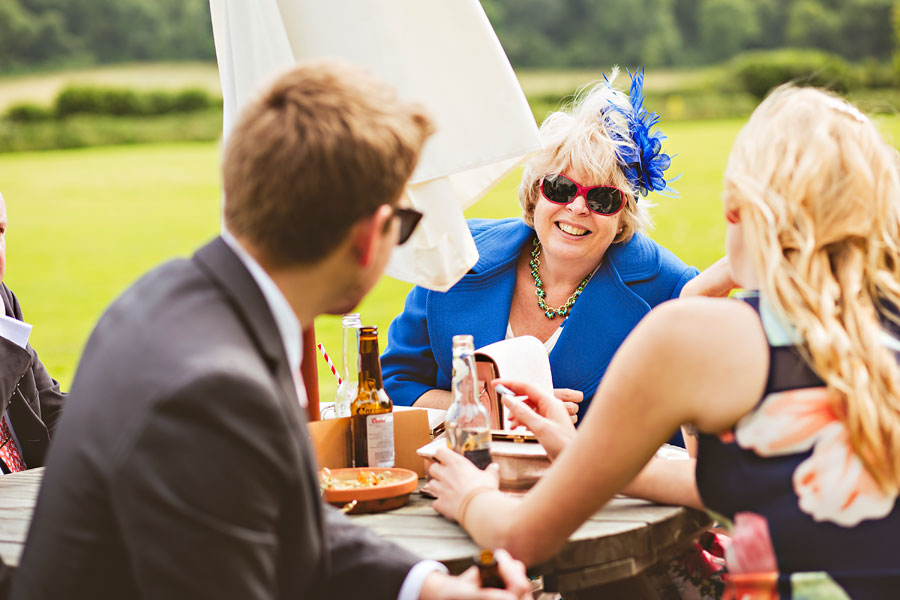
325 145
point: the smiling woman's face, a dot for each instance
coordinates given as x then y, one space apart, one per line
571 232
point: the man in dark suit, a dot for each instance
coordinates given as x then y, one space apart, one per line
30 400
182 467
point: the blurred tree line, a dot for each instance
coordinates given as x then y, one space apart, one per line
594 33
535 33
37 33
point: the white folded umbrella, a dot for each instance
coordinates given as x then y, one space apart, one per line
443 54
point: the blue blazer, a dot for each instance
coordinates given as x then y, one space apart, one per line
636 276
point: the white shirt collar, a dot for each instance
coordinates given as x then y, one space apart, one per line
285 319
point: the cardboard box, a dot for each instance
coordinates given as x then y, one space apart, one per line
331 440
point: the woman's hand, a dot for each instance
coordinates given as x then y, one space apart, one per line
465 586
453 477
549 419
714 282
570 399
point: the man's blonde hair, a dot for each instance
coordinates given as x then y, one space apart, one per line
818 193
578 138
325 145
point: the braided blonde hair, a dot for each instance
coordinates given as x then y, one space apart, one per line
818 192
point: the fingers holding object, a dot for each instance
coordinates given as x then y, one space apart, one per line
513 573
521 412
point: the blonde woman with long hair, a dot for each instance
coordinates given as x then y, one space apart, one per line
794 389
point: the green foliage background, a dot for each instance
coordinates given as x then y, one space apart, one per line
585 33
535 33
84 224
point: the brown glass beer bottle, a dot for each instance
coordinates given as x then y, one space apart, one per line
372 419
488 570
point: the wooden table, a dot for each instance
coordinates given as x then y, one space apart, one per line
18 493
609 554
613 548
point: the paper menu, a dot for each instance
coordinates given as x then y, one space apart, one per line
522 358
15 331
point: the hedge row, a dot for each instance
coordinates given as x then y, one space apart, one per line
760 71
117 102
80 131
742 82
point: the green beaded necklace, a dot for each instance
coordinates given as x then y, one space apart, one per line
565 309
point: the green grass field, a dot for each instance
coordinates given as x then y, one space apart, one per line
84 224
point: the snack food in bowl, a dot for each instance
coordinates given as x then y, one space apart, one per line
373 488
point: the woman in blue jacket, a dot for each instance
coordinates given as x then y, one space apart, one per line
576 271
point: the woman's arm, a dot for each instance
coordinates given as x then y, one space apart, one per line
666 481
714 282
699 360
434 398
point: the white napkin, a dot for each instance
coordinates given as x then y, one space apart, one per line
15 331
444 55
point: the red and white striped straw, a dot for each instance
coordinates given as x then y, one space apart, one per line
330 364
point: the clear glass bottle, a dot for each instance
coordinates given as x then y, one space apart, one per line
468 425
372 419
346 392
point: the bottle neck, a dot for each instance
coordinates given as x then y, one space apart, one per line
369 364
465 377
350 358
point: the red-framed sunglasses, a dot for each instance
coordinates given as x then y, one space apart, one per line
604 200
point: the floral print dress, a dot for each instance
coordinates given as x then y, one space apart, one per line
809 520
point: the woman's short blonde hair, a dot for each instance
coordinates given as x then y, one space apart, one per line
817 191
583 137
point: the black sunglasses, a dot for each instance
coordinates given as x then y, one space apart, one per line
601 199
409 219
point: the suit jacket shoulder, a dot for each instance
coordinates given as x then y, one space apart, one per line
197 479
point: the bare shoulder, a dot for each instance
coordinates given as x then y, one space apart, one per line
724 316
710 354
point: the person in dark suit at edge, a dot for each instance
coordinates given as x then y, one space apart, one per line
30 400
182 467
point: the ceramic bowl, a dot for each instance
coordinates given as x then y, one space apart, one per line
372 498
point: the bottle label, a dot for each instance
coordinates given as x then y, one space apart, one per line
480 458
380 439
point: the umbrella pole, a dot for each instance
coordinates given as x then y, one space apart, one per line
310 373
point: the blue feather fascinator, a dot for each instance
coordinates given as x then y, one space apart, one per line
644 162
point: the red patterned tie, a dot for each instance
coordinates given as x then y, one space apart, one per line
9 453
